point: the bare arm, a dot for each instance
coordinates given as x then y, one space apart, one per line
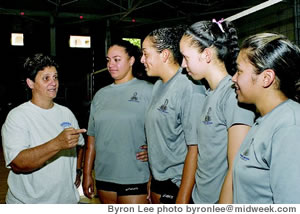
188 176
80 151
33 158
88 183
236 135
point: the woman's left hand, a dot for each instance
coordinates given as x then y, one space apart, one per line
78 180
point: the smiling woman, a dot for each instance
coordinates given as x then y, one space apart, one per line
266 169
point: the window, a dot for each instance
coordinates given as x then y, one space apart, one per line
17 39
80 41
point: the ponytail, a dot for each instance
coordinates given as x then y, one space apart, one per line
276 52
221 35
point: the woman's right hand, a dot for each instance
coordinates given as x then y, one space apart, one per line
68 138
143 156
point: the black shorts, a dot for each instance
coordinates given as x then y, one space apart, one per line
122 189
167 189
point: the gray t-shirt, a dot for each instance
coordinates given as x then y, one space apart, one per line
117 122
219 113
266 169
171 126
28 126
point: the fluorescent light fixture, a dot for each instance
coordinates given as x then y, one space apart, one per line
80 41
17 39
252 10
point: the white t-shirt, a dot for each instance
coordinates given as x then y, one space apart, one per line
28 126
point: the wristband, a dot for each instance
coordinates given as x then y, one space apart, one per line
79 172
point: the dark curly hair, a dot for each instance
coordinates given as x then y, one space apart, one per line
168 38
276 52
206 34
36 63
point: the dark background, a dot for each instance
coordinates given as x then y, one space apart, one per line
105 20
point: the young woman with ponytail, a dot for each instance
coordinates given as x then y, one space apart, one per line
209 50
266 169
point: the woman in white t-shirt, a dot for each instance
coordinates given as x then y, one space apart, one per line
39 139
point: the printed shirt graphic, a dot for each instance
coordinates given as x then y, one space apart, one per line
266 169
207 119
163 107
117 121
220 111
66 125
134 98
170 127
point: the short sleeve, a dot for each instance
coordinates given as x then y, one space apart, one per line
284 165
191 105
15 136
235 113
76 126
91 123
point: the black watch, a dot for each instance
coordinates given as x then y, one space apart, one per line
79 172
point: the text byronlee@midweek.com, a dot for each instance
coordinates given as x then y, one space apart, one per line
195 209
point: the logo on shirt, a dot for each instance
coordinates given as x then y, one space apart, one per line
163 108
207 118
66 125
243 157
134 98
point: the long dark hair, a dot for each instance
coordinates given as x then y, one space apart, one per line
276 52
